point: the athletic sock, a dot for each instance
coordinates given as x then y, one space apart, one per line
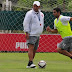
30 62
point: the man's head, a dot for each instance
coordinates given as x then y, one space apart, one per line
56 12
36 6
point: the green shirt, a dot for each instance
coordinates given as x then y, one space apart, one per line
63 30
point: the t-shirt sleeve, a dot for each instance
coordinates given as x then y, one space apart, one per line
65 18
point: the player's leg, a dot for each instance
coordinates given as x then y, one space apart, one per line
34 52
64 52
36 47
30 52
70 52
31 45
30 55
64 46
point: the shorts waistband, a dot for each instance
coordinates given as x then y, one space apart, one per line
67 37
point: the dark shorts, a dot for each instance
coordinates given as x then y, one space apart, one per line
66 44
33 40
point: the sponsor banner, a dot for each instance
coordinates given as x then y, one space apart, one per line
17 42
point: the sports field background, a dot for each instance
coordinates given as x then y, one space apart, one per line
16 62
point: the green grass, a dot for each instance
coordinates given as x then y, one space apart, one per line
16 62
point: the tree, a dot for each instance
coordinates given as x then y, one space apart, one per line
46 5
69 6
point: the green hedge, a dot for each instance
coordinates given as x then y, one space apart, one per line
13 20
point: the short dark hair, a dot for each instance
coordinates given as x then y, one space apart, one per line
57 9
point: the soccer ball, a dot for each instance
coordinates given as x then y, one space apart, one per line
42 64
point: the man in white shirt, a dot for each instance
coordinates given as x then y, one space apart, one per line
33 27
62 26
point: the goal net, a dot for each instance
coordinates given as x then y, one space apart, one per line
12 37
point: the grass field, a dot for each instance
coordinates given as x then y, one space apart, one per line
16 62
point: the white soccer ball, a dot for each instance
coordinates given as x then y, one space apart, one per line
42 64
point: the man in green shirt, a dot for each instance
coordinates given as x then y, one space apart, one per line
62 26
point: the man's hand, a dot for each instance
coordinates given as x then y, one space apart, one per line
51 30
48 29
27 36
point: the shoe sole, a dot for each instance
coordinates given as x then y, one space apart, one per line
32 67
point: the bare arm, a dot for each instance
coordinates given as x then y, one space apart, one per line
71 19
27 35
51 30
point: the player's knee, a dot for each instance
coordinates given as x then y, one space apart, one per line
58 49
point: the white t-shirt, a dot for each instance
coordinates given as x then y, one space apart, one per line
64 20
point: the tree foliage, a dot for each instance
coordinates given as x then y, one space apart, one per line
69 6
47 5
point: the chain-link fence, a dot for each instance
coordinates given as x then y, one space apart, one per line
13 12
12 19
